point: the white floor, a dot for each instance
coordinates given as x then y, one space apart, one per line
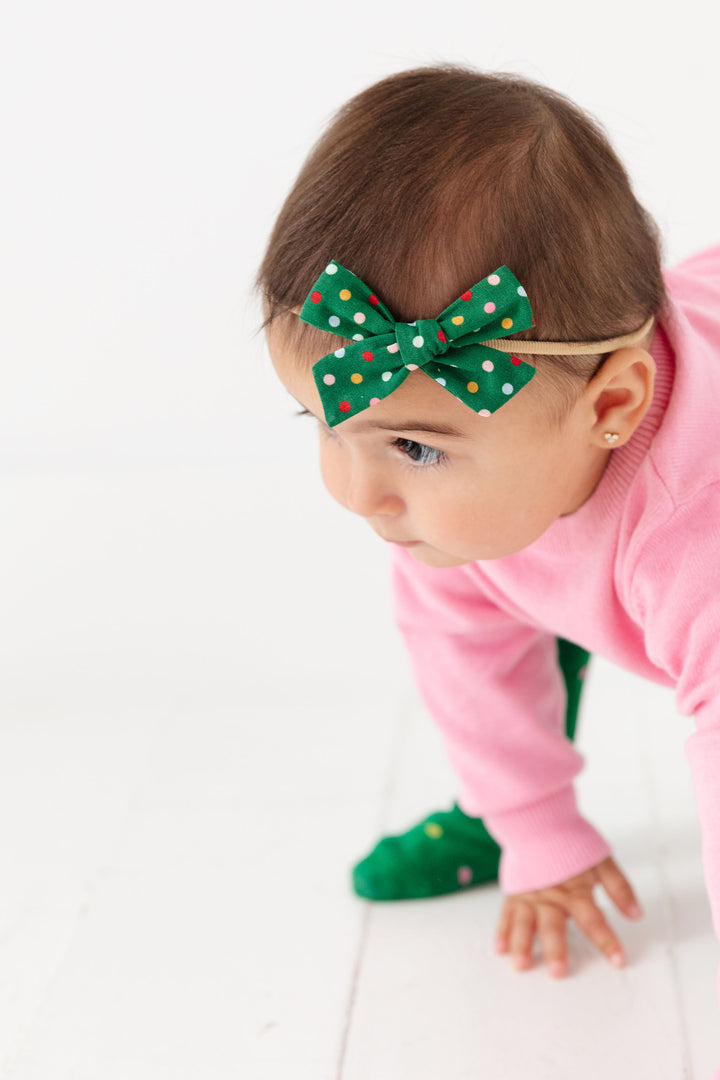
188 770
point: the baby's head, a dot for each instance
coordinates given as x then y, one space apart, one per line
424 184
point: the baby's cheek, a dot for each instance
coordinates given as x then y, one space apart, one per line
451 521
478 527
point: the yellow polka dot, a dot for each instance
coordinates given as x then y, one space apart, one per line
433 830
458 319
356 378
473 387
506 323
345 294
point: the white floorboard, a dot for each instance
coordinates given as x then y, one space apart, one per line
193 754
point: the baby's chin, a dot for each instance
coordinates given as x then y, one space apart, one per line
430 556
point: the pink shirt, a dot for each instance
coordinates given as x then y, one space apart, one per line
633 575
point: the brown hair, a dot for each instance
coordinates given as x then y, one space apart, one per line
430 179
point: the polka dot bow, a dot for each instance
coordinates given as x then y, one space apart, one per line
449 348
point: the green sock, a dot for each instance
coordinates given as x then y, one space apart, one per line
449 851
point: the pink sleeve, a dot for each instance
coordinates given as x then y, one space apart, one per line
676 593
677 597
494 687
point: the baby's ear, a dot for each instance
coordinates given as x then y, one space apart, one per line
623 391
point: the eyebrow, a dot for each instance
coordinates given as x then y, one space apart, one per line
406 425
413 425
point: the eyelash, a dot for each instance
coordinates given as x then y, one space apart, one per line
403 445
418 461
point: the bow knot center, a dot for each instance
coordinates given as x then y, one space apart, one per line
420 342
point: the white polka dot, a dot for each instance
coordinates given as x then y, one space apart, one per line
413 323
328 380
484 412
334 321
331 268
339 353
394 347
507 388
358 337
521 291
487 365
441 381
493 279
359 317
411 367
418 342
386 375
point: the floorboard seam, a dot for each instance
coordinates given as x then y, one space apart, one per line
670 922
387 791
350 1009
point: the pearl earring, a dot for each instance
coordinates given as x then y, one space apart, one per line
611 438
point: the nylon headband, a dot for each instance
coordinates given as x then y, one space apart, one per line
465 348
563 348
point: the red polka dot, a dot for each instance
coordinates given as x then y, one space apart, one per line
514 360
467 295
441 335
344 406
316 297
533 320
373 299
367 355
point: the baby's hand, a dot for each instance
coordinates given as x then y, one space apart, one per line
546 911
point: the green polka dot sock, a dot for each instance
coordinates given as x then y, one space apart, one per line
449 851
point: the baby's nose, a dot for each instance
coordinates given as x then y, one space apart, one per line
368 493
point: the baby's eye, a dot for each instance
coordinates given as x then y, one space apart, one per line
419 453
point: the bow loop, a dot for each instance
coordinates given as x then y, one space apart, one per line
495 307
343 304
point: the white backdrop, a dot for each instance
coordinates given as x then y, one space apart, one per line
147 146
163 532
184 611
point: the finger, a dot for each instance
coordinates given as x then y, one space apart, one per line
522 934
618 888
552 931
594 925
502 935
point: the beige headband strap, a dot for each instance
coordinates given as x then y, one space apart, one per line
562 348
571 348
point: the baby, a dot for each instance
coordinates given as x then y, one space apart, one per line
464 292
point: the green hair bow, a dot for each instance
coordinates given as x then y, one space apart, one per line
449 348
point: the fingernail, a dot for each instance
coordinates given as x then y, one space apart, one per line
519 962
557 968
635 911
617 959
